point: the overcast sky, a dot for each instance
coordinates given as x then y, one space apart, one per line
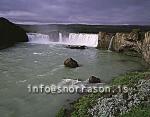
77 11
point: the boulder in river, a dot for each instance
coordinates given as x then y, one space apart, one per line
76 47
71 63
10 34
94 79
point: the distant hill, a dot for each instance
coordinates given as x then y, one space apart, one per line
10 34
81 28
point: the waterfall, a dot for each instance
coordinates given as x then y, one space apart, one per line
60 37
38 38
110 44
90 40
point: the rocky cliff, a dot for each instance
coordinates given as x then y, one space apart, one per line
135 43
104 40
125 42
10 34
146 47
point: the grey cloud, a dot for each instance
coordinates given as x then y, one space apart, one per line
77 11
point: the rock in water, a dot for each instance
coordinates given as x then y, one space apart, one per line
76 47
71 63
10 34
94 79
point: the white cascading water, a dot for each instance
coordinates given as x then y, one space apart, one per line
90 40
38 38
110 44
60 38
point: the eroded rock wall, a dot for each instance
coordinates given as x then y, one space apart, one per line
133 43
104 40
146 47
126 42
119 41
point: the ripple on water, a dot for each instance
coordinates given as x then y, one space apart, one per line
56 69
21 81
52 72
36 53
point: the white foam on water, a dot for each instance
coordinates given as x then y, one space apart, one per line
35 53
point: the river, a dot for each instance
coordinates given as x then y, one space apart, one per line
29 63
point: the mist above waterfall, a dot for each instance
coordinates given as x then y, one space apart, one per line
90 40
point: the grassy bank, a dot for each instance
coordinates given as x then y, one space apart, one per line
139 111
81 106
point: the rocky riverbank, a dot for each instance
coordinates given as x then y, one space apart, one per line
123 104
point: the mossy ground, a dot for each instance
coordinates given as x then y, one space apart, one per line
80 108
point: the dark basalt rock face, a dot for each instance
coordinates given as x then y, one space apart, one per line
94 79
10 34
71 63
76 47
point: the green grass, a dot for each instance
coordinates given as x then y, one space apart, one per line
130 78
83 104
140 111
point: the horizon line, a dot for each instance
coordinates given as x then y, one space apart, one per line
48 23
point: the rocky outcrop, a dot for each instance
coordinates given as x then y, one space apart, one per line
104 40
71 63
126 42
133 42
146 48
119 41
94 79
10 34
129 43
